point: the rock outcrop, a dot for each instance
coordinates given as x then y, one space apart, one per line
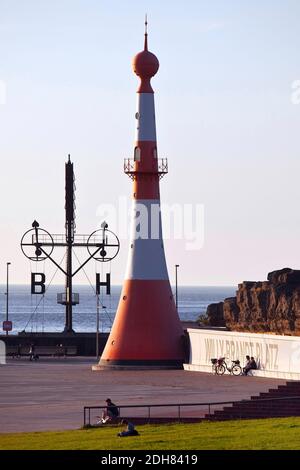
215 314
269 306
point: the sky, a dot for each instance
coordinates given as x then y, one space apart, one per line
226 121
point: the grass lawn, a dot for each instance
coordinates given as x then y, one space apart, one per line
277 433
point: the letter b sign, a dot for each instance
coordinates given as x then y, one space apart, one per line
38 283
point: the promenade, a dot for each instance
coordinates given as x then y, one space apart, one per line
50 394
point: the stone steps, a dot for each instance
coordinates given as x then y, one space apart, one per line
278 394
262 409
259 407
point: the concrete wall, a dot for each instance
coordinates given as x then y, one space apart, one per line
84 342
277 356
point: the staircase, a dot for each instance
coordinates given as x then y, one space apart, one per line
283 401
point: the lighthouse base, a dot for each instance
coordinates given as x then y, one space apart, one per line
138 365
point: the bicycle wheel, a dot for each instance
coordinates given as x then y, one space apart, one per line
236 370
220 369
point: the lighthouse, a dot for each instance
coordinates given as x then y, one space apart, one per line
147 332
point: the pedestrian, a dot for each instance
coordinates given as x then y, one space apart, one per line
32 352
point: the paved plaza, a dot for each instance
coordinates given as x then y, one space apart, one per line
50 394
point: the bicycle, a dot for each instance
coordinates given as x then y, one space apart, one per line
220 366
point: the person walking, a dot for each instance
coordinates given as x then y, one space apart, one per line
32 352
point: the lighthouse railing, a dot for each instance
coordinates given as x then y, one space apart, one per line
130 167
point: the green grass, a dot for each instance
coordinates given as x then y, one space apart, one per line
279 433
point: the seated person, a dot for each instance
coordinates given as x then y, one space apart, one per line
129 429
247 365
111 412
253 364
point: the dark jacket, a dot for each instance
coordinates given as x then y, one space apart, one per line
113 409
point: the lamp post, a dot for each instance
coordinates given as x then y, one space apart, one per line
7 268
97 329
98 325
176 286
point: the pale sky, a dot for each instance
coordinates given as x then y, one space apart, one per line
225 121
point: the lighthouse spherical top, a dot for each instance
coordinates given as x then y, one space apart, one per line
145 64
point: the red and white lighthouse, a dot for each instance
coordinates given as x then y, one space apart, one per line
146 332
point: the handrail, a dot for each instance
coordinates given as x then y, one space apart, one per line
161 170
78 237
180 405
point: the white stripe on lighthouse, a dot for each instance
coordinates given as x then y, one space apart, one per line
145 117
146 258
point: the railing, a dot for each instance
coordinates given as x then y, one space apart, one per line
162 167
62 298
179 415
129 165
42 238
61 238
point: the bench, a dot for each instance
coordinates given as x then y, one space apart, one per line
13 350
54 351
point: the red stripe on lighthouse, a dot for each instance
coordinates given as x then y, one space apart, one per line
151 313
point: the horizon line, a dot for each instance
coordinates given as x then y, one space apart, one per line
121 285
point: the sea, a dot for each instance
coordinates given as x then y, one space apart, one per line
41 313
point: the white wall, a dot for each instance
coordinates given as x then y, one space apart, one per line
2 352
277 356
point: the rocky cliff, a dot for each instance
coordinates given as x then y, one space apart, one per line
268 306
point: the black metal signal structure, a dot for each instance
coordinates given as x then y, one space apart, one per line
38 245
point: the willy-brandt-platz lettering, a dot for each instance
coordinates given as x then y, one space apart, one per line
145 313
266 352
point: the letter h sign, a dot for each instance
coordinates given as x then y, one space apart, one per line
99 284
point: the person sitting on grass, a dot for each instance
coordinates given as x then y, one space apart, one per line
110 414
129 429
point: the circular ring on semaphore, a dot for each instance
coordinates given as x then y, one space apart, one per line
103 245
37 244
